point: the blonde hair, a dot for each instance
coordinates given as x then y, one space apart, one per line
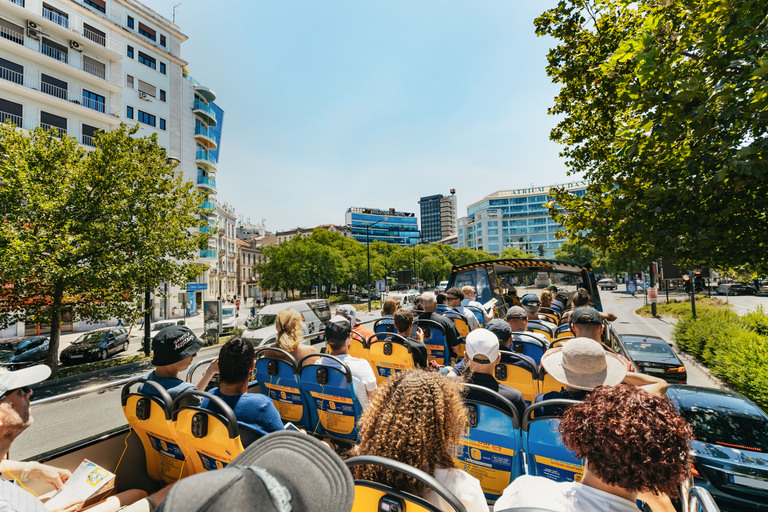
546 299
289 330
417 418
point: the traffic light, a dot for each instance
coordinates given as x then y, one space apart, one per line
687 283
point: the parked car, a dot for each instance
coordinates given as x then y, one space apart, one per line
607 284
229 316
442 286
25 352
8 346
730 445
655 357
96 344
159 326
736 289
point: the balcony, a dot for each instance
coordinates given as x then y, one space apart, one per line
5 116
206 92
55 17
96 38
207 254
206 160
18 2
207 205
206 182
60 132
205 136
54 53
89 141
208 229
12 35
204 111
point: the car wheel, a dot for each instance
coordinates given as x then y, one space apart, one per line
103 355
125 346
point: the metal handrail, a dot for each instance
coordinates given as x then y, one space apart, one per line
701 497
80 392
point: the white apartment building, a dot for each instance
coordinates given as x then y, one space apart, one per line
223 273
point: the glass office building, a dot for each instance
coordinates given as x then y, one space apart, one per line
438 217
400 228
514 218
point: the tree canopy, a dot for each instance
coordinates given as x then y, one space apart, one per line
664 109
85 232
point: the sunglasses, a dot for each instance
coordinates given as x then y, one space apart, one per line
452 298
26 390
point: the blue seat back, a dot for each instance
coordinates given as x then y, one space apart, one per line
490 449
529 345
441 308
333 405
435 341
479 314
276 374
544 448
381 326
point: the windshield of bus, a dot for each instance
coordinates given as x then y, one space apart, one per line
262 321
90 337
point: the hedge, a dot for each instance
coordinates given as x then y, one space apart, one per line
734 348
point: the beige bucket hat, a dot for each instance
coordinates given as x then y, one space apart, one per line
583 363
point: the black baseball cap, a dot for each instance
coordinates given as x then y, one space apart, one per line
281 472
586 315
337 330
173 344
501 329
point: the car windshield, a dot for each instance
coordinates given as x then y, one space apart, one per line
160 327
90 337
28 345
727 428
638 349
262 321
228 312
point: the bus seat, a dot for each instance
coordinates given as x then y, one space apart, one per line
389 354
358 347
150 417
210 437
559 341
435 341
374 496
564 331
547 383
541 330
517 372
544 449
384 325
276 371
552 314
459 321
529 345
479 314
327 386
490 449
441 308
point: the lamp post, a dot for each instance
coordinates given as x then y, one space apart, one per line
368 248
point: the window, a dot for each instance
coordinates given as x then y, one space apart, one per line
130 22
162 40
94 34
130 51
94 67
162 124
11 110
162 68
146 118
162 95
54 122
93 100
99 5
89 135
55 15
147 60
129 81
147 32
11 71
129 112
147 88
53 86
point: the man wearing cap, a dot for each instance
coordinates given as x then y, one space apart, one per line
517 319
587 322
453 298
429 305
337 334
174 348
482 355
531 305
349 312
504 334
254 410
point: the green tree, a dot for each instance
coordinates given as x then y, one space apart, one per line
87 232
512 253
663 107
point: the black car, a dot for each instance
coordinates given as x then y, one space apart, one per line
98 344
655 357
730 446
24 352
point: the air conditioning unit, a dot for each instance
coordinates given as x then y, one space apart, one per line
33 34
76 46
32 25
143 96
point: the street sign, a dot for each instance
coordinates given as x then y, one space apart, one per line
381 286
196 287
631 287
653 294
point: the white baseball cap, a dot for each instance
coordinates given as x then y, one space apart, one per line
482 342
14 380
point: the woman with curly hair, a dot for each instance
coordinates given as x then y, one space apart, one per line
290 334
417 418
546 299
635 445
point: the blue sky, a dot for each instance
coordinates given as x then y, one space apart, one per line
338 103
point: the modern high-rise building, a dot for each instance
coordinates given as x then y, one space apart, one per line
514 218
438 217
399 227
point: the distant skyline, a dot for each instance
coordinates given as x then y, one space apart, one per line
357 103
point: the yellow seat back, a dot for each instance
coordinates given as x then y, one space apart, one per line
148 411
524 378
389 354
358 347
547 383
545 332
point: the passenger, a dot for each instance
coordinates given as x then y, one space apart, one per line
531 305
290 334
440 298
417 303
404 324
254 410
559 303
453 298
337 334
15 417
505 336
517 319
635 446
174 348
349 312
470 299
429 304
582 299
418 418
546 299
388 310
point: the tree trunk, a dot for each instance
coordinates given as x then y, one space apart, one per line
53 347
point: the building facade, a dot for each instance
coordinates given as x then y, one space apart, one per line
399 227
249 231
222 280
249 254
285 236
438 217
514 218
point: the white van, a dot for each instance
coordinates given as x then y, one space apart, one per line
406 299
442 286
261 329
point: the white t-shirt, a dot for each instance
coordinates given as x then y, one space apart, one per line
363 378
463 485
471 318
537 491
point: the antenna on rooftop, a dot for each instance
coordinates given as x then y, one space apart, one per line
174 11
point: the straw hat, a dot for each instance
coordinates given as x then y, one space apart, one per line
582 363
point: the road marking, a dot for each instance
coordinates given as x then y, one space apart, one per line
654 329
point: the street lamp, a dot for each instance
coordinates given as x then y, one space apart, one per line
368 248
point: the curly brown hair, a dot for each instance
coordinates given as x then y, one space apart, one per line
389 307
417 418
546 298
630 438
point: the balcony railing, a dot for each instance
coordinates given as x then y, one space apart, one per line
12 35
95 70
208 229
93 104
208 253
5 116
54 53
204 180
11 76
202 130
60 131
207 205
18 2
93 36
203 155
89 141
199 105
55 17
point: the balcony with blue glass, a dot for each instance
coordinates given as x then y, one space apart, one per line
205 112
206 137
206 160
208 254
207 205
206 182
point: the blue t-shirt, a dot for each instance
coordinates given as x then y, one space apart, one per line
254 411
172 385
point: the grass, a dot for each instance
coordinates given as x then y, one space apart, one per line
101 365
677 309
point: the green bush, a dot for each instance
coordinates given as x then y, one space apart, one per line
698 336
237 332
756 321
